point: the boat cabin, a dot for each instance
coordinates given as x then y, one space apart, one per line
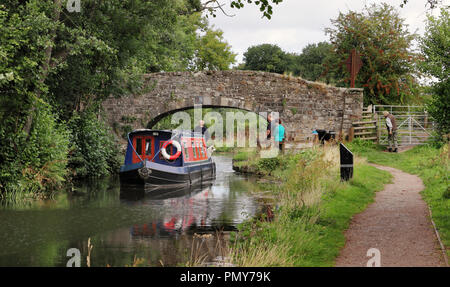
147 145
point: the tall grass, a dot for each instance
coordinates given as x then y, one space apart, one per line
314 208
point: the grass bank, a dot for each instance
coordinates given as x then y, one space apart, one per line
431 164
314 209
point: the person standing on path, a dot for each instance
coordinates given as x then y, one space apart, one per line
280 135
391 126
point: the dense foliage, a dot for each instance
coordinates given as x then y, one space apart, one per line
213 53
94 151
389 71
381 37
310 64
57 66
265 57
33 162
435 46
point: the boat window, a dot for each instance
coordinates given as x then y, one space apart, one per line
148 146
193 150
139 146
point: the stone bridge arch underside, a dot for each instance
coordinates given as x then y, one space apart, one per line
159 117
301 104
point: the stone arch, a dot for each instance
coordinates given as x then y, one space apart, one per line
159 117
303 105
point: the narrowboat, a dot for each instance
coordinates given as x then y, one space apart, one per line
163 159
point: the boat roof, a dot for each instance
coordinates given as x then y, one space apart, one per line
183 133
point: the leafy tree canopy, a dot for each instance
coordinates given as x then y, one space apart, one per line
381 37
435 48
70 62
212 52
310 63
265 57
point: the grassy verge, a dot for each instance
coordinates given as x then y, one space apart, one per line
314 209
431 164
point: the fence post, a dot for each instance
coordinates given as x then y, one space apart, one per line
377 130
409 125
351 134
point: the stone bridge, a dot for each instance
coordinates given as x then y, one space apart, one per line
302 105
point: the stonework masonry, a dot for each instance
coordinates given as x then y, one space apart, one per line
302 105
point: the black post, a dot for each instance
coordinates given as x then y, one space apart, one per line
346 162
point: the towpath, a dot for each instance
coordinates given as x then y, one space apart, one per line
397 224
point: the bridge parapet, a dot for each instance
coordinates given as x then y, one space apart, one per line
303 105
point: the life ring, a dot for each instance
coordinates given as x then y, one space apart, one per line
176 145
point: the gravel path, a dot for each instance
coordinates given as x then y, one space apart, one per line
397 224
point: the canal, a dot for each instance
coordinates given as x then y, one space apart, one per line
114 227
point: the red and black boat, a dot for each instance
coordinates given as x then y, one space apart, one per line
166 159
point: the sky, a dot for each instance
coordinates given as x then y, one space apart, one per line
296 23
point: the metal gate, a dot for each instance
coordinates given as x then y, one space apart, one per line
414 125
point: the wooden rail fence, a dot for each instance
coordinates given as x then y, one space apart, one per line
366 129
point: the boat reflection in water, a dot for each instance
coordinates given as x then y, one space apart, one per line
125 223
178 210
169 218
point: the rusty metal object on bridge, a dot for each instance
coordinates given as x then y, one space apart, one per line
354 64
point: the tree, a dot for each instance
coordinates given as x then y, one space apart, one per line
212 6
105 51
382 39
432 3
435 48
54 63
212 52
265 57
310 64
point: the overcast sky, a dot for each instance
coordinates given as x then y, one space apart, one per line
296 23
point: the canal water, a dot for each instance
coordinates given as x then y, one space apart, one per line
111 226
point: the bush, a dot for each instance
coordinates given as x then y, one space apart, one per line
94 152
269 164
446 193
32 162
359 145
